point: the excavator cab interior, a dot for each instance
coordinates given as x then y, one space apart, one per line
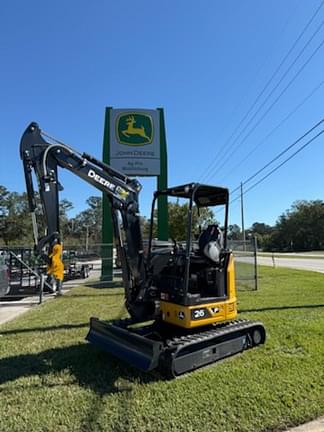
193 271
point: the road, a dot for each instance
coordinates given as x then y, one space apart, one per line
311 264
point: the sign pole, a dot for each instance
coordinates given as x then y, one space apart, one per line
107 227
162 183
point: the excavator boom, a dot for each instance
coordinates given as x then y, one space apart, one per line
43 158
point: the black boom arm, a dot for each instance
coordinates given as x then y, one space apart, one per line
43 158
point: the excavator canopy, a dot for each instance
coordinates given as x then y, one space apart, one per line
203 195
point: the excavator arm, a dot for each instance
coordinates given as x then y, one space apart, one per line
43 158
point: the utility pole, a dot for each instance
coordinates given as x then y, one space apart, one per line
242 216
87 238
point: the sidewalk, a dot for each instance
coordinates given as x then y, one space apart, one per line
313 426
10 310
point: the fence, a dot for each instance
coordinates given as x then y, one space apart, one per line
21 276
245 258
21 271
25 272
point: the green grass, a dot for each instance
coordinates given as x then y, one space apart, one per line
52 380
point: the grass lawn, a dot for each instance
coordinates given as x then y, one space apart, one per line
52 380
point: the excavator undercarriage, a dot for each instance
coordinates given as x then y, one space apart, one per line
173 351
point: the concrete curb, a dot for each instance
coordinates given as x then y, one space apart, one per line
313 426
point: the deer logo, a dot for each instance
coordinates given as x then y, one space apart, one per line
135 129
131 130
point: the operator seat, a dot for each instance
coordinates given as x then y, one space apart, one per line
211 243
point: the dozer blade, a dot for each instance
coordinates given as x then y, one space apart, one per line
129 346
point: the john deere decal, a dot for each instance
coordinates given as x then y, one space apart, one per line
134 129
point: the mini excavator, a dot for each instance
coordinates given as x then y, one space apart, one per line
180 296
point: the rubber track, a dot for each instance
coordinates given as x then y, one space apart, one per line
176 344
220 330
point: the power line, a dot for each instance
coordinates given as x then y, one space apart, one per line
280 154
274 102
208 171
251 83
275 128
280 165
285 161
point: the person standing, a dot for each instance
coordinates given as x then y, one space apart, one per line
56 268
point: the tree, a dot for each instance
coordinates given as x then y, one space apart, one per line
263 232
178 219
300 228
88 223
15 220
145 227
234 232
3 208
261 229
3 200
65 226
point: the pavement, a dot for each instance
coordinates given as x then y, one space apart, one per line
310 264
10 310
313 426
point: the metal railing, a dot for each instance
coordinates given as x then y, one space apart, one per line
24 279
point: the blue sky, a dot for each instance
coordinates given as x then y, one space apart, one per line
204 62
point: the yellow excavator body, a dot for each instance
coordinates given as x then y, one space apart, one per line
203 314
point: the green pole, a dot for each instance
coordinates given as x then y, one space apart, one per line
107 227
162 183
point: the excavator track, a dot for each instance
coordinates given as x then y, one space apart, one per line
189 352
151 347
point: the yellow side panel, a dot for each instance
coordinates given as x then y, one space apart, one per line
204 314
198 315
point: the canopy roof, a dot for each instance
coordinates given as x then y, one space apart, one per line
203 195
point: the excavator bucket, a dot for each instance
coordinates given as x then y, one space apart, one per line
128 345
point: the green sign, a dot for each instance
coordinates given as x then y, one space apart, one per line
126 130
134 129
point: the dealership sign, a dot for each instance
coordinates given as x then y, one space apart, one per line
135 141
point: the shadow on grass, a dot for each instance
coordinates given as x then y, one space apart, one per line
274 308
94 295
91 368
103 284
44 329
